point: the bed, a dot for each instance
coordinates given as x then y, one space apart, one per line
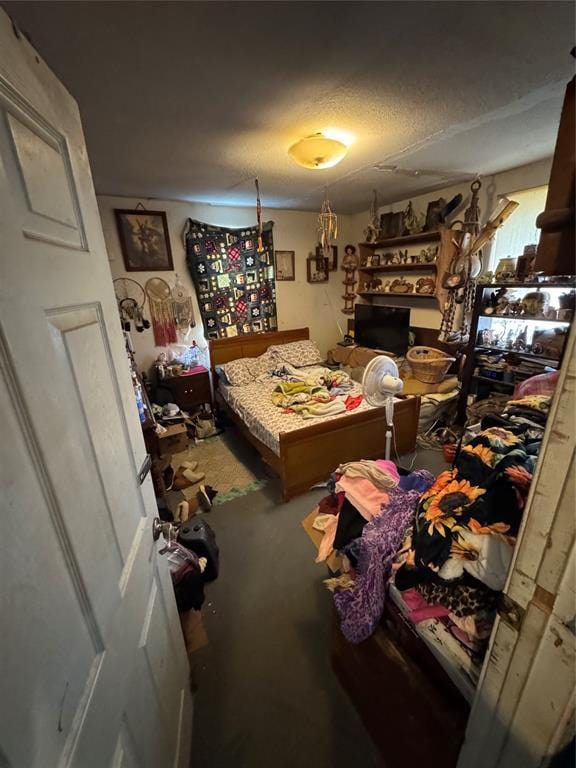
303 453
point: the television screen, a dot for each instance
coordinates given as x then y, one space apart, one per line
382 328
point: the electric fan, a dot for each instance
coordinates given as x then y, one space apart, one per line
379 385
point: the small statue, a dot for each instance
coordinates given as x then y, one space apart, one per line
486 278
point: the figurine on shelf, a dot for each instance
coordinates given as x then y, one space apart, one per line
349 265
413 223
397 257
386 287
401 286
534 304
486 278
387 258
375 284
425 286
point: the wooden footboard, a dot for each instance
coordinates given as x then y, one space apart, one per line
310 454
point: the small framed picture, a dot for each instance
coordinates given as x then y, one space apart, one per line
317 269
144 240
285 267
333 260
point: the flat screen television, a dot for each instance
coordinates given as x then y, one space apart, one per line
384 328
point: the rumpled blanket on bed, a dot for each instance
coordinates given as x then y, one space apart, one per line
318 376
312 393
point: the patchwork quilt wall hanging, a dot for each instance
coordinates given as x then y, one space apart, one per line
234 283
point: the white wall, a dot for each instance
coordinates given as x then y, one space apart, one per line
299 303
505 183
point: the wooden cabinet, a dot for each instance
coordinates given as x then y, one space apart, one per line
189 392
556 248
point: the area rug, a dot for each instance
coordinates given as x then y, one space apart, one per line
223 469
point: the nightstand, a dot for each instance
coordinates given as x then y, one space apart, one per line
189 391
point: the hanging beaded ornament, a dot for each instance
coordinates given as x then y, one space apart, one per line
161 311
327 227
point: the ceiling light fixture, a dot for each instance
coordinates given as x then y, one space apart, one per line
318 151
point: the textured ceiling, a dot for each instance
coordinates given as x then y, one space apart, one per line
191 101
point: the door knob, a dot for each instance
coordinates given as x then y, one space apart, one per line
157 528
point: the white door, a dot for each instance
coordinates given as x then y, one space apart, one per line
93 669
524 709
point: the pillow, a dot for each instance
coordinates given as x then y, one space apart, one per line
298 353
237 372
261 366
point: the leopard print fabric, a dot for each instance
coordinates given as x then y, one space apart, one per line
461 599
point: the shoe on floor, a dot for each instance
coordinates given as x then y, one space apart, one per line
204 499
193 465
184 478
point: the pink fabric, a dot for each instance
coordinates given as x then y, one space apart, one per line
327 543
543 384
420 610
363 495
390 467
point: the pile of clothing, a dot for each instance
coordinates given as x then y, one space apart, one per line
313 392
365 519
455 558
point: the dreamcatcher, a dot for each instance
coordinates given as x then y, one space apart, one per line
161 311
182 308
130 297
260 245
327 227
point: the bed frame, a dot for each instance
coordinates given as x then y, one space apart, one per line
310 454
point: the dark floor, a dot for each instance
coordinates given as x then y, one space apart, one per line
266 694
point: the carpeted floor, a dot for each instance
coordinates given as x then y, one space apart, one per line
266 693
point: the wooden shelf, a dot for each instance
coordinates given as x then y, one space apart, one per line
509 384
529 355
523 319
399 268
390 295
421 237
571 284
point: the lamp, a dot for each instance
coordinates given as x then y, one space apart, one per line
318 151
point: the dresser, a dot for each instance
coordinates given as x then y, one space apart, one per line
189 391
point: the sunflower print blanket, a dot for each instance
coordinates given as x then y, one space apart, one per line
467 521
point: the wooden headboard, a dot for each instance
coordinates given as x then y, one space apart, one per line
251 344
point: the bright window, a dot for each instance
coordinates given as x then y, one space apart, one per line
520 229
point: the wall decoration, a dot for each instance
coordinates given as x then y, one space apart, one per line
183 310
161 311
317 269
234 282
331 255
349 265
285 266
130 297
144 240
327 227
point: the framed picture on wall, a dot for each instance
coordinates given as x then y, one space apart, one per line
333 260
144 240
285 268
317 269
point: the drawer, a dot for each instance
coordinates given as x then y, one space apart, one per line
190 390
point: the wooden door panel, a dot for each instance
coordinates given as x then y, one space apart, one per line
91 650
42 593
45 183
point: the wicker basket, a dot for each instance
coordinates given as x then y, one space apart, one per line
429 365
